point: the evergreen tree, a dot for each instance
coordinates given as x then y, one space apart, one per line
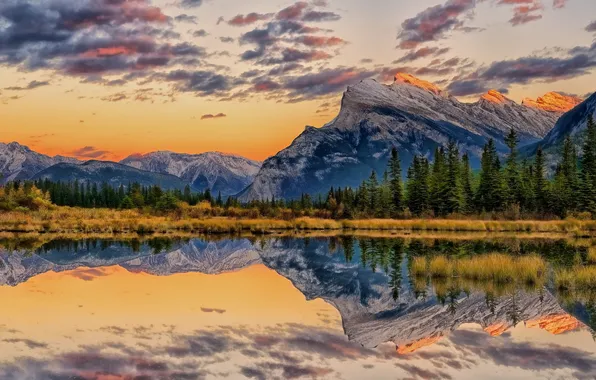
540 183
453 191
396 181
468 192
489 196
588 169
512 173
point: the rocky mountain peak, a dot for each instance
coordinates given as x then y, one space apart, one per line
416 82
553 102
496 97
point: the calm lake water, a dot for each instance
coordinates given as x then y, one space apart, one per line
284 308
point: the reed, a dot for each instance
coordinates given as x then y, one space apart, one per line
495 267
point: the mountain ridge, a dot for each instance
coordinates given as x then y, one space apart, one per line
412 115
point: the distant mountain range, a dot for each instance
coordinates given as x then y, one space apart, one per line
412 115
228 174
113 173
219 172
18 162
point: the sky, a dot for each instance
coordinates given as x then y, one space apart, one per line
103 79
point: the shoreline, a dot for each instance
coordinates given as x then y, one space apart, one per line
105 221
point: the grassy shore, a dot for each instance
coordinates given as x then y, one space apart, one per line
74 220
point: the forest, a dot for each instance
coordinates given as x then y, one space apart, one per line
504 187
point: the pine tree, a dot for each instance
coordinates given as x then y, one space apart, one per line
540 183
588 169
453 191
438 183
489 196
373 189
512 173
396 181
468 192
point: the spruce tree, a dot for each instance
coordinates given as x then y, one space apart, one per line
512 172
588 169
540 183
468 192
395 181
453 190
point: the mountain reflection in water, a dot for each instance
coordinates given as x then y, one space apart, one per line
236 308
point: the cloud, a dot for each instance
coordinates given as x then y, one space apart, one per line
89 274
211 310
317 16
206 117
32 85
591 27
200 82
433 23
524 14
320 41
186 18
89 152
251 18
422 53
325 82
95 38
200 33
115 97
524 70
190 3
558 4
227 40
293 12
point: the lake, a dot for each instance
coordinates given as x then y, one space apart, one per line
340 307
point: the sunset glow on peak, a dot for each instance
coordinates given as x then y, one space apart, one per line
554 102
495 96
420 83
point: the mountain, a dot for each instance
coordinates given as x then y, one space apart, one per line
553 102
411 114
113 173
219 172
573 124
18 162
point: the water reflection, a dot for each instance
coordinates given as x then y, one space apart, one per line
195 308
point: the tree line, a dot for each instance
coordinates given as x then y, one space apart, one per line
509 187
447 186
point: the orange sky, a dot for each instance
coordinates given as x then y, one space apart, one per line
72 111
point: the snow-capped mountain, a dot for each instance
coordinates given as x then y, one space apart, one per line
108 172
18 162
573 124
219 172
412 115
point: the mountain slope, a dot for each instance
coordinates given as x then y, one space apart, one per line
219 172
413 115
113 173
573 123
18 162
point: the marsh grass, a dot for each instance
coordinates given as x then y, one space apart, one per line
67 219
591 256
576 278
494 267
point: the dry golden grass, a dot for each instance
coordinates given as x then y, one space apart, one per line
591 257
66 219
440 266
495 267
577 278
418 267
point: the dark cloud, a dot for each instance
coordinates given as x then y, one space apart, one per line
89 274
467 87
265 85
325 82
89 152
190 3
32 85
524 14
208 309
227 40
206 117
31 344
320 41
591 27
558 4
199 82
433 23
317 16
293 12
115 97
251 18
200 33
422 53
502 74
186 18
